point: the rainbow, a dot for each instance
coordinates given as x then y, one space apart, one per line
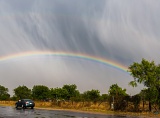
66 54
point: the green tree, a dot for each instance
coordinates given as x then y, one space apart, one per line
40 92
103 98
148 74
116 96
92 95
85 96
4 93
115 90
22 92
58 93
72 91
136 101
143 95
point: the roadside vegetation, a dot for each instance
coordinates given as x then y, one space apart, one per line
68 96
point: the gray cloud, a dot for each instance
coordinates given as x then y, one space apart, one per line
120 31
131 29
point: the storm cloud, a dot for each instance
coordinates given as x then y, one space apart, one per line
124 32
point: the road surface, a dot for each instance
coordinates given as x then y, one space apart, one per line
11 112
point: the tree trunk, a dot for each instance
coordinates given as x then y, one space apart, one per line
150 107
143 104
158 97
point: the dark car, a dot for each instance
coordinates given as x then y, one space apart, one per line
24 103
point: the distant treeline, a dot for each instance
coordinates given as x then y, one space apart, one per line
116 95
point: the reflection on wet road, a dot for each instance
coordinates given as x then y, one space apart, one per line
10 112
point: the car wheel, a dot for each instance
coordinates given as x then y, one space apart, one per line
32 107
22 106
16 106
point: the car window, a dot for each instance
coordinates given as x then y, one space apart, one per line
28 100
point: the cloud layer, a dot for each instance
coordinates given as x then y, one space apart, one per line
124 32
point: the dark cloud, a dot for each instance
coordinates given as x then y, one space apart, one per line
120 31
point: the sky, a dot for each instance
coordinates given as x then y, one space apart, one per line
122 32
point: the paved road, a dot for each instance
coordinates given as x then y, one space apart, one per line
10 112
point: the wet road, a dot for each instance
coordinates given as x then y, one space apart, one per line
11 112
